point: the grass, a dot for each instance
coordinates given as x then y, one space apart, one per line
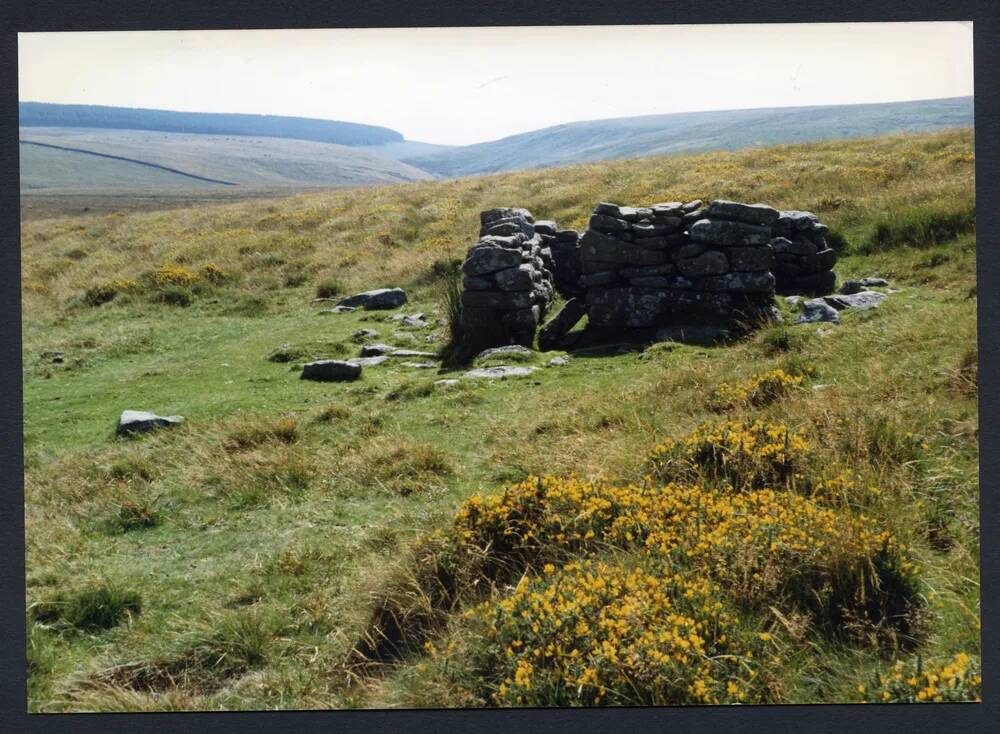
265 534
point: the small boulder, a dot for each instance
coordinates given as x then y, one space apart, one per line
817 310
863 300
376 350
559 361
140 421
331 370
383 298
338 309
362 334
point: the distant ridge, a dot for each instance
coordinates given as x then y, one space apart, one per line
692 132
44 114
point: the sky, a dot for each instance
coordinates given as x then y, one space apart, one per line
466 85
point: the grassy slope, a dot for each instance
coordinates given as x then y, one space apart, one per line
247 161
690 132
267 554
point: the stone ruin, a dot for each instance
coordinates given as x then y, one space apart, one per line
669 265
507 288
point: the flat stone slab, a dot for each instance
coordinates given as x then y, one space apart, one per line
140 421
420 365
498 373
338 309
445 383
368 361
863 300
505 351
331 370
559 361
382 298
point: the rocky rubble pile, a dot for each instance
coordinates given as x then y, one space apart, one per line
649 266
803 259
507 287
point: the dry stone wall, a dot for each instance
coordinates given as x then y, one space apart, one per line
641 267
506 287
649 266
804 259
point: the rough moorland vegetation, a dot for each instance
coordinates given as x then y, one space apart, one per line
790 518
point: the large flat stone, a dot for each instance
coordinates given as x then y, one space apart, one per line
758 214
140 421
728 233
382 298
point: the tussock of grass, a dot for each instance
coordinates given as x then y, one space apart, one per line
920 226
98 606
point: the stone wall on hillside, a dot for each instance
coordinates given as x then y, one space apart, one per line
506 288
644 269
672 263
804 259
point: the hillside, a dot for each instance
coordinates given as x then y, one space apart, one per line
78 158
44 114
235 562
691 132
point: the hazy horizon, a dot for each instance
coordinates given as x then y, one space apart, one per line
466 85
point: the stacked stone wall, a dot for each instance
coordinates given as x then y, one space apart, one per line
507 289
667 264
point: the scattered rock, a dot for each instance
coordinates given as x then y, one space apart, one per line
817 310
559 361
376 350
139 421
793 300
852 287
505 351
498 373
863 300
420 365
331 370
362 334
414 321
382 298
445 383
338 309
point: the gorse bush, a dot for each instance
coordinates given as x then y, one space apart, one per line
176 275
757 391
744 454
919 681
594 633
